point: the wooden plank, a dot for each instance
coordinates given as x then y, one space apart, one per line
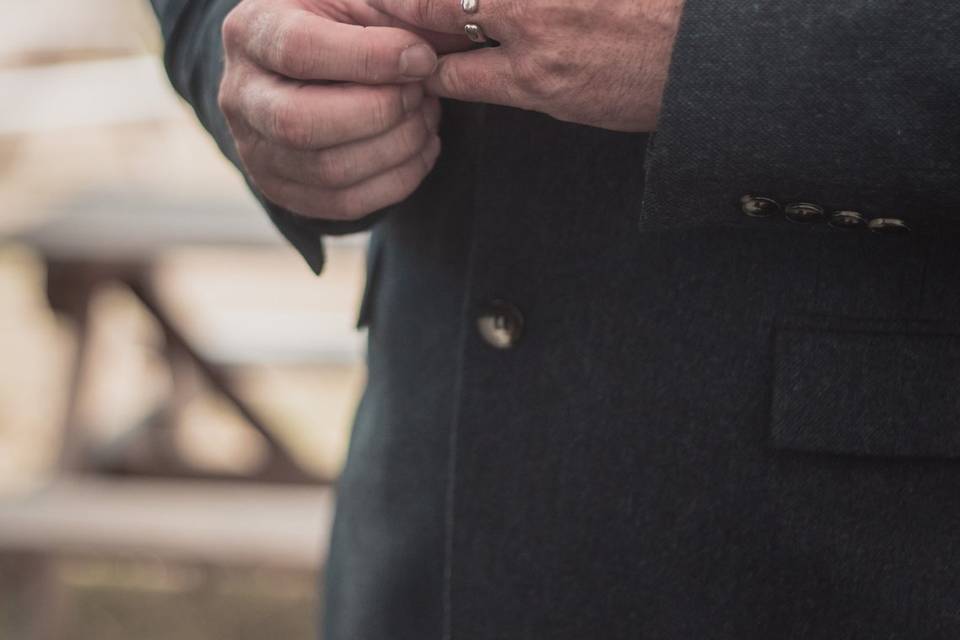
218 523
55 26
257 337
130 227
87 94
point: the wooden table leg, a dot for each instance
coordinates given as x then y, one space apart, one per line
281 466
70 290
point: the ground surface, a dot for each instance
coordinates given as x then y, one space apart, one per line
121 600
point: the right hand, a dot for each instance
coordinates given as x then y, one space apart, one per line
329 117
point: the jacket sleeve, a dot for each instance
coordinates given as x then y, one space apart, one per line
193 57
849 105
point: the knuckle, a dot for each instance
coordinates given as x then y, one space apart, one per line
230 93
272 189
364 63
386 110
433 113
346 205
227 99
234 28
532 84
413 135
408 177
540 78
405 181
366 56
428 158
453 79
519 13
247 151
285 56
556 17
423 12
313 208
534 29
288 124
335 170
420 170
289 51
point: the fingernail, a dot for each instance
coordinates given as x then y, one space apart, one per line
417 61
412 96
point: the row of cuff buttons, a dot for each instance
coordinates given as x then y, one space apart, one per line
500 323
806 212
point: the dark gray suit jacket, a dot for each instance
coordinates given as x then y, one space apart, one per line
714 425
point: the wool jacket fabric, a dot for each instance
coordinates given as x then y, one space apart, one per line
713 425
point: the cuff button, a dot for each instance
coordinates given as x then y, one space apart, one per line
804 212
889 226
759 206
847 219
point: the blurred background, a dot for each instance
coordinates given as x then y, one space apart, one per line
176 387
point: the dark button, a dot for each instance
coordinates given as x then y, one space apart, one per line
803 212
500 324
759 206
847 219
889 226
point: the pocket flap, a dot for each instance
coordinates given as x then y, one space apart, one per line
866 392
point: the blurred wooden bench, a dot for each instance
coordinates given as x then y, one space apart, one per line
278 517
206 524
281 526
117 239
101 239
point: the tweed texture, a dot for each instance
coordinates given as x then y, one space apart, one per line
849 104
713 426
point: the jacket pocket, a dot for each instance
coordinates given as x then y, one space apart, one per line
374 258
871 388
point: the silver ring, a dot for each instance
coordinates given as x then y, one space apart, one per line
474 32
470 6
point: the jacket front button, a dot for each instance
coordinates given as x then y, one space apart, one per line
500 324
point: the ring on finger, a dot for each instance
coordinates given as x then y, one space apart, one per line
474 32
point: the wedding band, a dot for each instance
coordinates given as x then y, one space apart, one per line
474 32
472 29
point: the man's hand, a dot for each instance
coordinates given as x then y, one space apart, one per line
325 101
596 62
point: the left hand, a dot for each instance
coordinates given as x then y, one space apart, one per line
601 63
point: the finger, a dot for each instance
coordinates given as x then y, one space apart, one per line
360 199
483 75
440 42
348 164
305 46
444 43
447 16
310 116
